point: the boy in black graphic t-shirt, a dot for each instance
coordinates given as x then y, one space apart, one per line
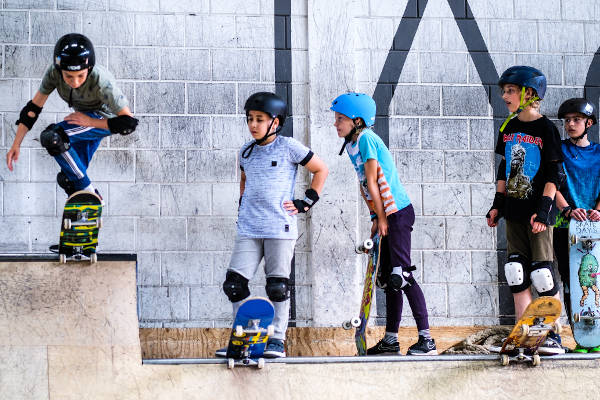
527 181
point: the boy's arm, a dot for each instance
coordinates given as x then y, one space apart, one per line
317 167
320 171
81 119
38 101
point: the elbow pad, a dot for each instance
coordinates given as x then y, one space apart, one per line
25 118
501 175
123 124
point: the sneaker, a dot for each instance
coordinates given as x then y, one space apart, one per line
594 350
552 345
274 349
99 195
424 347
221 352
579 349
53 248
384 348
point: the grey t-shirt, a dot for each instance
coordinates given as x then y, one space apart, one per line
98 93
270 178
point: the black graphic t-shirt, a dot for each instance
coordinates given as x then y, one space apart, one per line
529 148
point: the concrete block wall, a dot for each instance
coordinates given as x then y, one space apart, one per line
187 67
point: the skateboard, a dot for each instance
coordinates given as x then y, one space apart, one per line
584 255
80 224
251 329
372 248
539 318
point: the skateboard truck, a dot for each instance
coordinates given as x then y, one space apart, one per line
364 247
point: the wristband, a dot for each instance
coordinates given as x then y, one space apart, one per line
543 211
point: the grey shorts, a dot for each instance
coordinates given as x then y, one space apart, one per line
248 253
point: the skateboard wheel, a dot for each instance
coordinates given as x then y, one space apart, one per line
270 330
239 331
93 258
504 360
355 322
261 363
368 244
576 317
557 327
536 360
347 325
230 363
524 329
62 258
67 223
99 223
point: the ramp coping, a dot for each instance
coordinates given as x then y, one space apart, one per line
30 257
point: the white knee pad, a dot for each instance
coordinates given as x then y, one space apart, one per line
514 273
542 280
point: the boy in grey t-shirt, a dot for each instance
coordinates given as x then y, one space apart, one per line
100 107
267 214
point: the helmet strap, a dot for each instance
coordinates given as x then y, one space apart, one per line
522 106
348 139
248 150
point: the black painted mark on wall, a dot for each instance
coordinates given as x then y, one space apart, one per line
283 88
592 92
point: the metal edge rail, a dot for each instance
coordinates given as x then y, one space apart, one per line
369 359
27 257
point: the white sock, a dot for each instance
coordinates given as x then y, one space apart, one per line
390 337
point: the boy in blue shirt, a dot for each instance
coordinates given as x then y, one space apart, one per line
393 217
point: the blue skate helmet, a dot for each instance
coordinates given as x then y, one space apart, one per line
524 77
355 105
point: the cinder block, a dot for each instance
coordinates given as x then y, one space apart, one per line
14 235
24 4
229 132
469 233
435 297
26 61
184 6
160 97
210 303
509 35
120 26
420 166
446 199
159 30
188 199
408 60
390 8
148 269
531 10
185 132
160 166
15 93
117 234
133 199
427 38
576 69
141 5
161 234
187 268
211 233
299 30
550 64
501 62
31 139
211 166
112 165
146 135
48 27
472 300
465 100
481 134
555 37
14 25
375 33
447 267
26 199
44 232
20 172
210 31
555 97
253 31
416 198
444 134
235 7
85 5
235 65
134 63
185 64
211 98
246 89
416 100
428 233
443 67
592 32
43 166
164 303
482 196
469 166
483 9
225 198
485 266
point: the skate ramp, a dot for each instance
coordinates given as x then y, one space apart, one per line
71 332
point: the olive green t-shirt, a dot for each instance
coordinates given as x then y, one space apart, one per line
99 92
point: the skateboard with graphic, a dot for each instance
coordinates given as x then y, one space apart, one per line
80 224
584 256
373 249
539 318
251 329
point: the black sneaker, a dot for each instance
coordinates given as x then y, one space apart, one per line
274 349
424 347
383 348
221 352
552 345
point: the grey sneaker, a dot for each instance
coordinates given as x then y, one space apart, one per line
551 346
274 349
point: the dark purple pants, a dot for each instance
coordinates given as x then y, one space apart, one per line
395 252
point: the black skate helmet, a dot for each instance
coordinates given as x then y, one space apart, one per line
269 103
578 105
74 52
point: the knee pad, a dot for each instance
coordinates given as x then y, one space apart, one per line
401 277
65 183
542 278
235 287
122 124
55 140
278 289
514 271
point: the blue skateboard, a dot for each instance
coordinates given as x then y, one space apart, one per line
584 255
251 329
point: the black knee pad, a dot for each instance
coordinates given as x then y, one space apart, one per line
543 278
516 272
404 281
55 140
65 183
235 287
278 289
